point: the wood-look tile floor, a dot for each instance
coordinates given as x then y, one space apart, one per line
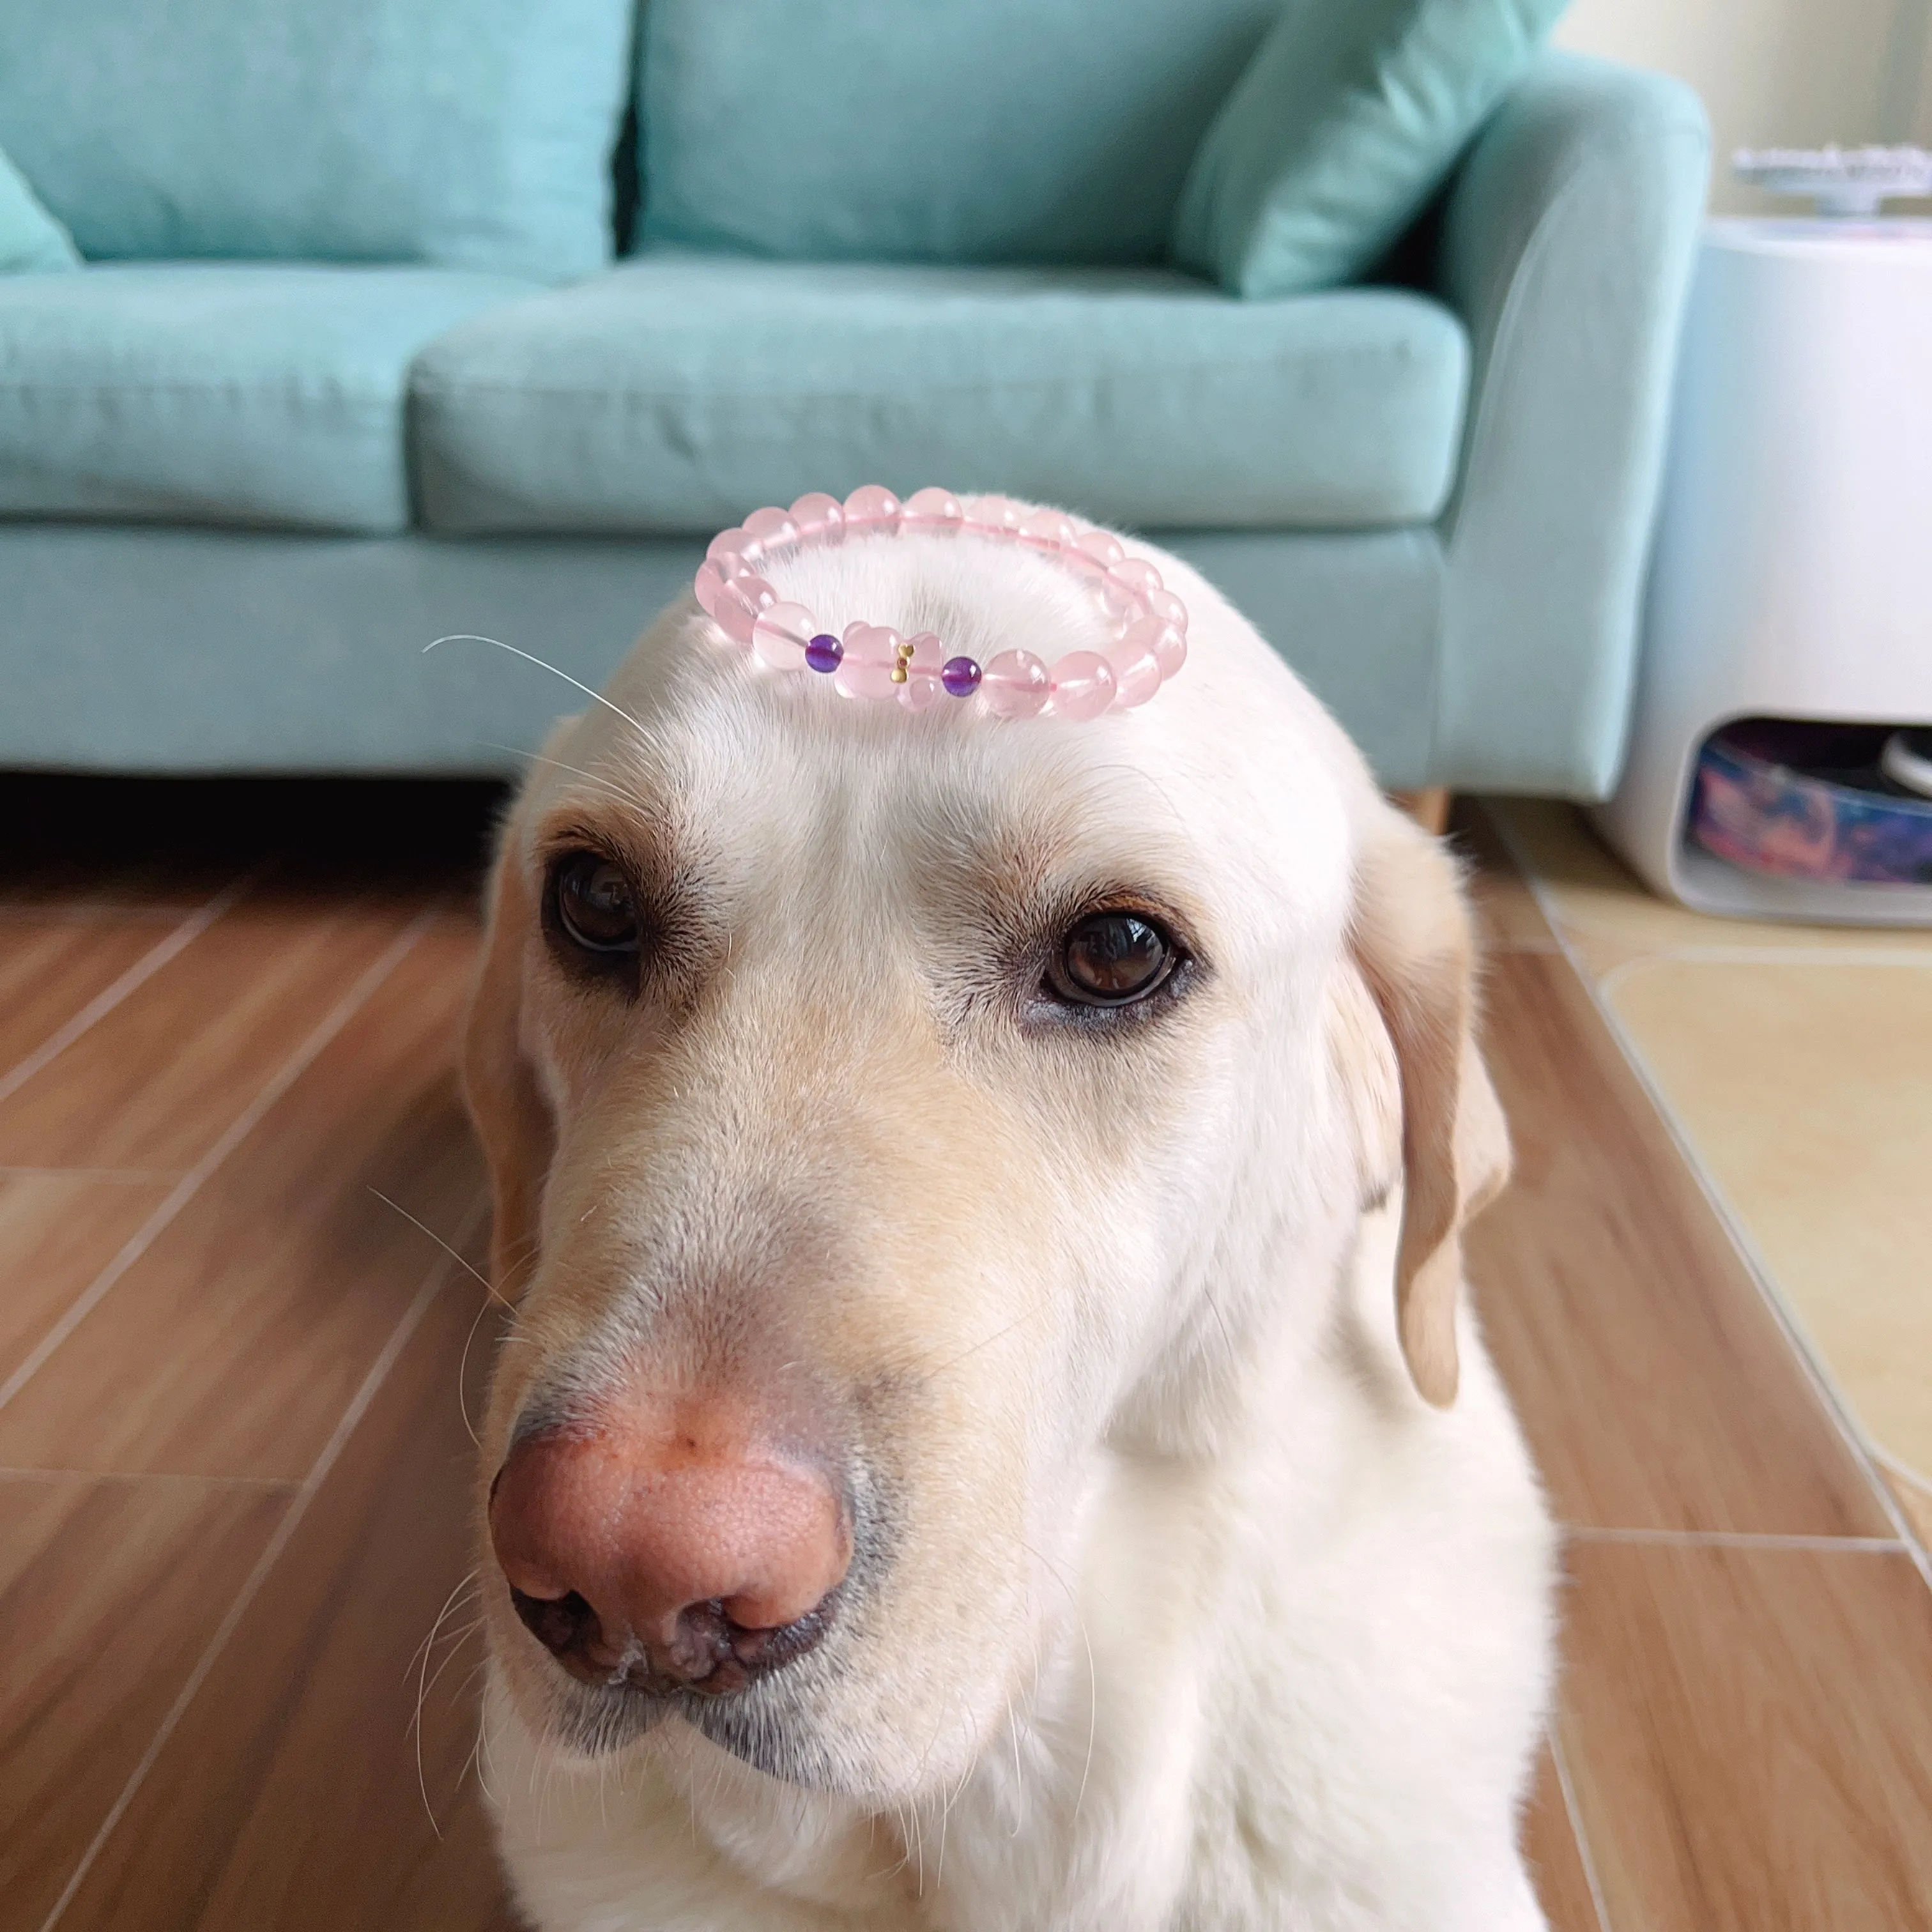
234 1461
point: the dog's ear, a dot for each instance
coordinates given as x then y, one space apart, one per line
1411 939
511 1116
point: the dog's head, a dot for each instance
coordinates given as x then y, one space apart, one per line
894 1117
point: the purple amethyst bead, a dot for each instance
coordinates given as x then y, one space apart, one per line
961 676
824 653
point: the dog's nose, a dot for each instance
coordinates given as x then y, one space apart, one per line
668 1550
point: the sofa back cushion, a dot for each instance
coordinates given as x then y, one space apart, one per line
950 130
1348 117
467 134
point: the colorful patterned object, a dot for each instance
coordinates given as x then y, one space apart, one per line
1755 811
1148 623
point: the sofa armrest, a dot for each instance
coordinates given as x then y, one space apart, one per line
1568 240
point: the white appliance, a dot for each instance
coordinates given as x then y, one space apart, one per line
1792 572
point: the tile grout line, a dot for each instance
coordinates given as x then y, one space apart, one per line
1614 977
1766 955
1739 1539
107 1176
94 912
20 1473
110 996
358 1406
185 1189
1586 1857
1904 1471
1836 1408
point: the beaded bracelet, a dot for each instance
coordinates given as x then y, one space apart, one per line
1148 623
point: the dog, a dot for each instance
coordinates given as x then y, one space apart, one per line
974 1453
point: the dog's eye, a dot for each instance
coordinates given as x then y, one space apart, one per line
1111 959
596 910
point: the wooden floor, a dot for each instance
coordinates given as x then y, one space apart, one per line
233 1454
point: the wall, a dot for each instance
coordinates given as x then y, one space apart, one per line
1785 73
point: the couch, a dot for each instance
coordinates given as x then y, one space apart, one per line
269 441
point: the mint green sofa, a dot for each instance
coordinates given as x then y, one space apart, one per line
334 382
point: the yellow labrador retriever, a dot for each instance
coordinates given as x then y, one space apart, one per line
991 1439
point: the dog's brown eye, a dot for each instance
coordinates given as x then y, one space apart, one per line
595 907
1112 959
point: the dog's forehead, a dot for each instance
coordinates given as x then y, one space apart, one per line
1231 786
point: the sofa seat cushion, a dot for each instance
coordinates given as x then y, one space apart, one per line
677 392
196 393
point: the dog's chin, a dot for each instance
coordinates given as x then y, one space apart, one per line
768 1727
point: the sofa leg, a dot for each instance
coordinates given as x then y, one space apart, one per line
1429 807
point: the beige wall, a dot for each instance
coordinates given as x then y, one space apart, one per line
1777 73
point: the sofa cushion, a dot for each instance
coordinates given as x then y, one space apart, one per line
676 393
1346 122
952 130
198 393
31 241
467 134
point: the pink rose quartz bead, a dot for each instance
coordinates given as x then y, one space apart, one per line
872 643
744 598
1102 546
1167 646
1168 608
1118 605
934 510
1000 515
820 518
866 669
780 634
733 539
1082 685
772 529
1016 685
1136 670
708 588
1048 530
928 651
1139 575
921 688
872 507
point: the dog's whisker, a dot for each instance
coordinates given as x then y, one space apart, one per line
635 800
1093 1674
456 1640
986 1342
423 1689
473 637
421 1650
463 1371
468 1267
1221 1320
1019 1776
486 1764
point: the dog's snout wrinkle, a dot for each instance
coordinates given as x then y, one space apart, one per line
669 1547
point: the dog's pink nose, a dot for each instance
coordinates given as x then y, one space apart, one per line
668 1549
